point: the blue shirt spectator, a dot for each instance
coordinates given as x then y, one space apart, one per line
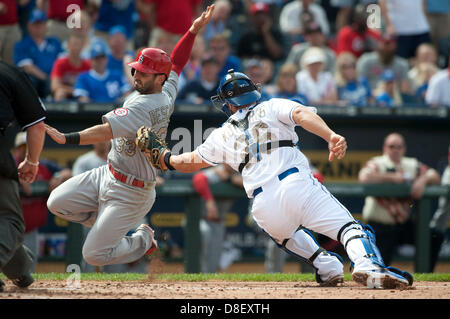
118 52
356 92
385 100
36 53
219 47
389 94
43 55
112 13
99 84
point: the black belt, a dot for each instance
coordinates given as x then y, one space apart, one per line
264 148
281 176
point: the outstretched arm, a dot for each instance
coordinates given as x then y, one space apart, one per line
185 163
182 51
94 134
313 123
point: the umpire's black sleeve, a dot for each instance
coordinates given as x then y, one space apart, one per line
21 96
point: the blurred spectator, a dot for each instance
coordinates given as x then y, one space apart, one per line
268 75
191 70
291 22
92 159
100 84
263 41
425 71
406 21
286 84
344 15
357 38
219 20
173 17
441 217
118 54
438 14
116 12
37 53
253 68
351 88
66 69
425 53
391 217
221 50
212 226
58 12
10 32
84 30
199 91
438 92
34 196
387 93
313 81
163 40
314 38
371 65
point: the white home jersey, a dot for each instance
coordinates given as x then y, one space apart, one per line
269 121
151 110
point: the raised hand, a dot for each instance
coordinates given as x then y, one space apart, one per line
202 20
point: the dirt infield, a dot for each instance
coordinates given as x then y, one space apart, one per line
151 289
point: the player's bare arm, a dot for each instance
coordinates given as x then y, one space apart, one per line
185 163
94 134
313 123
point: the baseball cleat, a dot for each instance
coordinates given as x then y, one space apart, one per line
154 245
23 281
380 278
333 282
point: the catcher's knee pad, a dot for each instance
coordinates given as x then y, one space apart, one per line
357 231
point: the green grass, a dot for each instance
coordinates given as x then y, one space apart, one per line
256 277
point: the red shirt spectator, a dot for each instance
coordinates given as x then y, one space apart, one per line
8 12
67 72
350 40
175 16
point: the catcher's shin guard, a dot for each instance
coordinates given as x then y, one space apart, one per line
328 266
357 231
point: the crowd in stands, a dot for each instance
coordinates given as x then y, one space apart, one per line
384 53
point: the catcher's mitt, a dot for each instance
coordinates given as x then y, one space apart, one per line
151 143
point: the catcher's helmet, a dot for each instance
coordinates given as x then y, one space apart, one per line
237 89
152 60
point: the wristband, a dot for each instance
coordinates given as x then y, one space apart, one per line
72 138
31 163
167 161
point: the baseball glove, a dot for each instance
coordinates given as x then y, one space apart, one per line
151 143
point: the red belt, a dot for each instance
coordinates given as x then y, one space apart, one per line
123 178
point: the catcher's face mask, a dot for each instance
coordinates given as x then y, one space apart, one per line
237 89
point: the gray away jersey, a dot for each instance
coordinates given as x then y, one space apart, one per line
151 110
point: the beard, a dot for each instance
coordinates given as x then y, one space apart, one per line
143 88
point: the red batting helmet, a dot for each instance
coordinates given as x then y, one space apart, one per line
152 60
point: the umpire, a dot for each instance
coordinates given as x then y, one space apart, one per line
18 102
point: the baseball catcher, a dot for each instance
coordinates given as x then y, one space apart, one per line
259 140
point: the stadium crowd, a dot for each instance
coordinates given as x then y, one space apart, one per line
384 53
